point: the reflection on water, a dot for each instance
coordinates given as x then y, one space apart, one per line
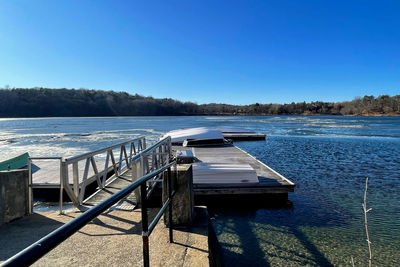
325 225
328 157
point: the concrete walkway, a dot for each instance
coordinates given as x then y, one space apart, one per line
112 239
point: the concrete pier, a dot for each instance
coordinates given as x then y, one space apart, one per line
183 200
14 195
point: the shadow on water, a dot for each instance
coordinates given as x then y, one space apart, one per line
318 257
244 230
255 255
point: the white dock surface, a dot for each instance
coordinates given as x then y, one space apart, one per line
270 181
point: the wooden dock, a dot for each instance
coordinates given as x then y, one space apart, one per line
270 181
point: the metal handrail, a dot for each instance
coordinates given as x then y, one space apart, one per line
88 154
38 249
148 149
77 192
160 153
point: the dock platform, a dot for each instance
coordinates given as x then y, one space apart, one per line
270 181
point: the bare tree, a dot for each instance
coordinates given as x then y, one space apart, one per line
364 205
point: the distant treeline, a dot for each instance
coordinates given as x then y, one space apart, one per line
44 102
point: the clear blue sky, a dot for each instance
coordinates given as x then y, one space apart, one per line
236 52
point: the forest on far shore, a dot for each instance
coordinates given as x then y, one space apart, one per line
45 102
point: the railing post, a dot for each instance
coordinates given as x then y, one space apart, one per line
169 149
130 154
61 200
142 164
136 174
145 226
171 239
75 176
30 186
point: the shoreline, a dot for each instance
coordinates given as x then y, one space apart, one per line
200 115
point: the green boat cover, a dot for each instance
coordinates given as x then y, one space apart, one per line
17 162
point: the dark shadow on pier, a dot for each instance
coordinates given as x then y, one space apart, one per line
19 234
110 221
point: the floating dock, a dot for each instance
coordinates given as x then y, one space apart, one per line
270 181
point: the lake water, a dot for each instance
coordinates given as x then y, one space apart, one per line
328 157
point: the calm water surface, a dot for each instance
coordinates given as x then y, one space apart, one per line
328 158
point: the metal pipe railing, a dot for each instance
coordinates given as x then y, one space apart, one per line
38 249
152 147
102 150
77 192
